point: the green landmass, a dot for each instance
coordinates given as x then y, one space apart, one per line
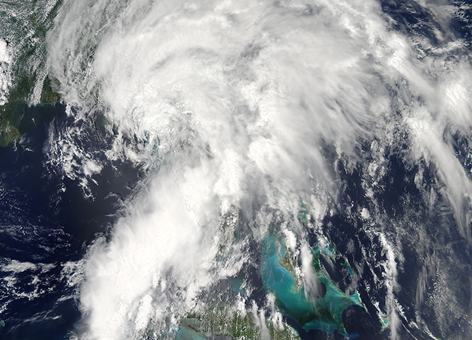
26 31
223 319
13 122
289 263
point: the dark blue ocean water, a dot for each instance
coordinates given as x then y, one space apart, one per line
47 222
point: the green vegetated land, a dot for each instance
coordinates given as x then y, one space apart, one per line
24 28
14 118
223 319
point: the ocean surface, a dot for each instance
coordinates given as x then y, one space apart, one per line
235 169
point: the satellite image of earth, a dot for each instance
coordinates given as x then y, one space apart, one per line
221 169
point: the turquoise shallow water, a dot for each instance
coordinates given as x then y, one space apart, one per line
323 312
188 334
361 109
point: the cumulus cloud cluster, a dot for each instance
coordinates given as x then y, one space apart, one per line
238 99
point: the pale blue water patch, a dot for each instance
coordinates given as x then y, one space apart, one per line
185 333
238 286
323 312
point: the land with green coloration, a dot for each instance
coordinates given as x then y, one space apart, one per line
14 120
24 28
223 319
290 264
